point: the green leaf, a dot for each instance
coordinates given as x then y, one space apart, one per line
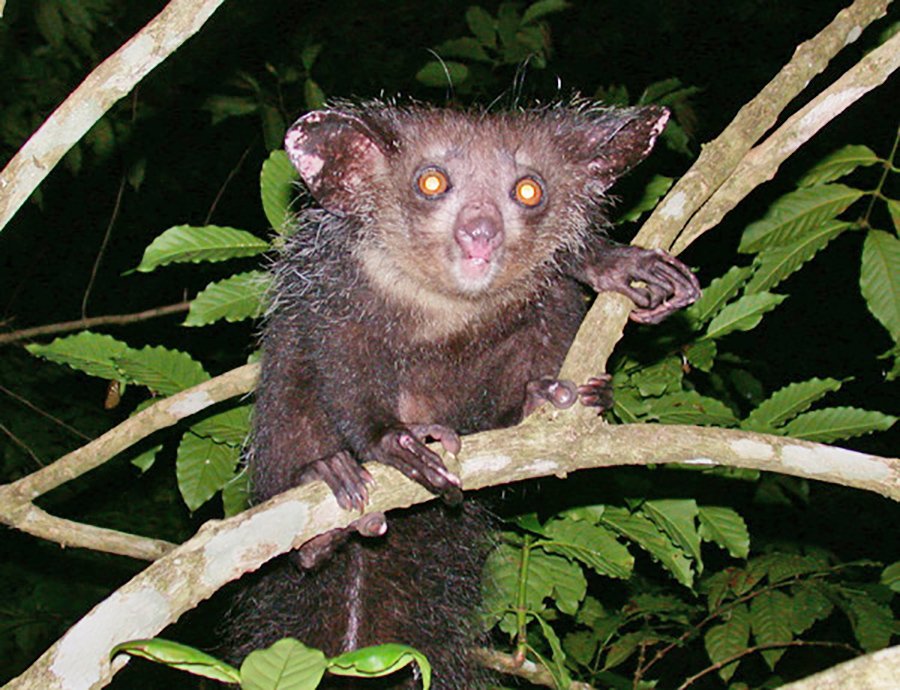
286 665
717 294
786 403
92 353
500 582
277 181
235 298
542 8
442 74
728 639
236 494
482 25
145 460
808 605
179 656
653 192
313 94
162 370
620 650
380 660
466 48
646 535
556 578
833 423
658 378
836 165
893 207
873 623
203 467
231 426
774 264
581 645
880 279
223 107
557 669
770 624
743 315
593 545
309 55
701 354
890 576
186 243
725 527
689 407
678 519
795 214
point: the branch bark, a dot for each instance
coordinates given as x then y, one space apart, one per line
717 164
544 445
110 81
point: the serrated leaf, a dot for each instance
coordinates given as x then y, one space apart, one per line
162 370
380 660
794 214
689 407
191 244
645 534
236 298
593 545
659 377
500 582
653 192
808 605
442 74
203 467
786 403
231 426
557 669
774 264
836 165
541 8
482 25
628 406
872 622
725 527
728 639
313 95
276 187
743 315
769 623
179 656
92 353
554 577
880 279
834 423
717 294
620 650
581 645
286 665
701 354
677 518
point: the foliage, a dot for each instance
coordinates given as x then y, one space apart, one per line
286 665
705 570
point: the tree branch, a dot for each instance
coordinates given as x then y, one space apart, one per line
110 81
223 550
602 327
90 322
877 671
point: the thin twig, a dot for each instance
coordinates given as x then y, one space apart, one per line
80 324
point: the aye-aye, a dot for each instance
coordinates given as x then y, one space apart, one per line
431 290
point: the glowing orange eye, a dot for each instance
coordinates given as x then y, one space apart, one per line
432 182
528 192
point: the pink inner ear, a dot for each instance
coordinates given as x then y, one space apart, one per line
335 154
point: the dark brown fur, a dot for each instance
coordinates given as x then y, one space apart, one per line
394 312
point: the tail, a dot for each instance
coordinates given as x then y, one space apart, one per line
419 585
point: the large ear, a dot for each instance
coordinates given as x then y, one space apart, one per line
619 139
335 153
